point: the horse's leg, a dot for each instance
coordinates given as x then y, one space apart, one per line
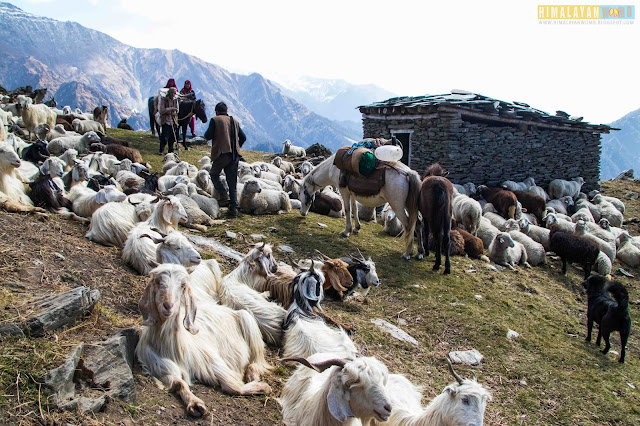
398 207
184 135
437 239
446 244
354 209
420 236
425 238
346 202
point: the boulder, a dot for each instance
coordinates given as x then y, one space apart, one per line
472 357
394 331
61 309
11 330
626 175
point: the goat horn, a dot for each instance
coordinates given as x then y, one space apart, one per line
152 238
159 232
361 256
317 366
322 254
455 375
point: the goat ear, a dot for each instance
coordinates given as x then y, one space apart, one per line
75 174
167 211
44 169
337 400
147 305
452 391
191 309
101 197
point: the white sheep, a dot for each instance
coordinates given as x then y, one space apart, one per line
559 188
258 201
205 163
495 219
628 253
467 189
236 292
207 204
305 333
563 224
460 403
365 213
79 143
607 248
167 182
295 151
86 201
613 200
392 225
292 186
306 168
614 230
504 251
487 232
5 118
286 166
336 391
467 212
267 175
268 167
584 214
536 254
186 338
602 265
536 233
182 168
608 210
540 192
519 186
197 218
32 115
561 205
84 126
601 233
559 215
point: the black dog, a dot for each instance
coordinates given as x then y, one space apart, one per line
611 315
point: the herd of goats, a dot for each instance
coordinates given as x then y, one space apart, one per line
199 325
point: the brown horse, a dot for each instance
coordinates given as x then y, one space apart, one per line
435 203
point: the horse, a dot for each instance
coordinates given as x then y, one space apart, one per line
400 190
188 109
436 200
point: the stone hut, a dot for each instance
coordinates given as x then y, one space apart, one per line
486 141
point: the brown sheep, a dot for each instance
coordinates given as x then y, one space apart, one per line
503 200
534 204
122 152
456 243
109 140
472 245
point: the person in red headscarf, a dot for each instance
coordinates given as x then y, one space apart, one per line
171 83
187 93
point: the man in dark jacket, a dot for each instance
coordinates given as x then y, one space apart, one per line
226 138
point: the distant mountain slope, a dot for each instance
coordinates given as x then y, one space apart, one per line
85 68
334 99
621 149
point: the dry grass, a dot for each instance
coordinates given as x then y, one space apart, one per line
547 376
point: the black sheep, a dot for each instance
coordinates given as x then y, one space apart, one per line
573 248
36 152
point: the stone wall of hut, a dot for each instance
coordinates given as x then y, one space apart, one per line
489 153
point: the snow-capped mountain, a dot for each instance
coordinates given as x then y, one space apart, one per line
85 68
334 99
621 149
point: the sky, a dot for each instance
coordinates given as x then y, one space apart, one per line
493 47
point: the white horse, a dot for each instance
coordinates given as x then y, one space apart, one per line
400 190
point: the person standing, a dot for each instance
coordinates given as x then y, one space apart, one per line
188 94
168 108
226 138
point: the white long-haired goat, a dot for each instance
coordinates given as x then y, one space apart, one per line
305 332
186 339
462 403
336 392
86 201
12 191
237 292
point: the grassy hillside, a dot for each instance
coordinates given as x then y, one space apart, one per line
550 375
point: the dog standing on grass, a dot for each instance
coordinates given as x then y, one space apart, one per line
611 315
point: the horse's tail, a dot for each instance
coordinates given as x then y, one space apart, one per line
440 214
411 204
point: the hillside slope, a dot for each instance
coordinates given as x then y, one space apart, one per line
621 149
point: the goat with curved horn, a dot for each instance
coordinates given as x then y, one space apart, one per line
317 366
455 375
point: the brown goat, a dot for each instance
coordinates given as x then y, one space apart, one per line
534 203
435 204
122 152
65 124
503 200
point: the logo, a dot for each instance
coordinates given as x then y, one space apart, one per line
586 14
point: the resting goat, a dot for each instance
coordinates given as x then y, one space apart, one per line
197 349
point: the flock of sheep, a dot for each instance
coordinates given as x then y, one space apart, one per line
203 326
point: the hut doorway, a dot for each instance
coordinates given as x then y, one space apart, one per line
404 137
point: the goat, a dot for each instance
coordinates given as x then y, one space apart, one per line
436 198
460 403
305 332
198 348
236 292
12 191
86 201
45 193
337 391
36 153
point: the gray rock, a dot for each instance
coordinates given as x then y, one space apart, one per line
231 235
61 309
394 331
512 334
59 256
472 357
626 175
103 365
632 196
11 330
285 249
204 244
258 237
